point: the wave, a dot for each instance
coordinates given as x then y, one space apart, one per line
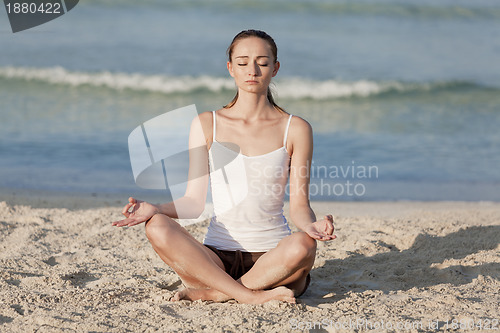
287 88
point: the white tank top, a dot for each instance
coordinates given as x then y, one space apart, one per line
248 195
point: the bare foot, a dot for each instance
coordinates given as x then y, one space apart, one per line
279 293
259 296
193 294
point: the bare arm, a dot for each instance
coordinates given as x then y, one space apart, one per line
192 204
300 209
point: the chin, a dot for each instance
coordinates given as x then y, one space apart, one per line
255 90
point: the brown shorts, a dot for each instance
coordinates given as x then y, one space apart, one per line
237 263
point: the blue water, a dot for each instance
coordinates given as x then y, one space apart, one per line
409 88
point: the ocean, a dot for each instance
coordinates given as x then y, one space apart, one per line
403 96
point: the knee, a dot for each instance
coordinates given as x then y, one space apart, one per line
158 228
303 249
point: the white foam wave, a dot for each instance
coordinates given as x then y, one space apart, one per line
304 88
290 88
119 81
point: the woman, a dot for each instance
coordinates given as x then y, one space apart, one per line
249 253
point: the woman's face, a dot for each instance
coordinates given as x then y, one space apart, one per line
252 65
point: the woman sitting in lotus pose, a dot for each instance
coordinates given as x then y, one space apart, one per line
249 253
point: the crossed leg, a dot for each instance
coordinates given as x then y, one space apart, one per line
201 270
286 265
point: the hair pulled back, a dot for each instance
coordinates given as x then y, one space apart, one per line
274 49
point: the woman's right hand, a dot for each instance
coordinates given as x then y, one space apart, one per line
136 212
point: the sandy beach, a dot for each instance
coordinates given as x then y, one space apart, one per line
404 107
395 266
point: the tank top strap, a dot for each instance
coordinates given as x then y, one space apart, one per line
213 131
286 130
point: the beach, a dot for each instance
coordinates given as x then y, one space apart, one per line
395 266
405 110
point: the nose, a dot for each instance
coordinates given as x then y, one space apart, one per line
254 69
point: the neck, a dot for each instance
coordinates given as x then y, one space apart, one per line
252 106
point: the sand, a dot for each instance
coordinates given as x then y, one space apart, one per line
395 266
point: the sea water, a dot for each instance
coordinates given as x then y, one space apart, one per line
403 96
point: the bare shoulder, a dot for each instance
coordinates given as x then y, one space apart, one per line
299 136
299 128
205 120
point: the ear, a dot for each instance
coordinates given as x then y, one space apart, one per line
276 68
230 68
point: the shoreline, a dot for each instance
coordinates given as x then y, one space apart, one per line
84 200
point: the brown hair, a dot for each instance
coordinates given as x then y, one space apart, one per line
274 49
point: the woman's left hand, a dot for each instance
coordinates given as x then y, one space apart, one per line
322 229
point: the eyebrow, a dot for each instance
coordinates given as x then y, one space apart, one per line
247 57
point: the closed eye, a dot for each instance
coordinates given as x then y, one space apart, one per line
263 65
